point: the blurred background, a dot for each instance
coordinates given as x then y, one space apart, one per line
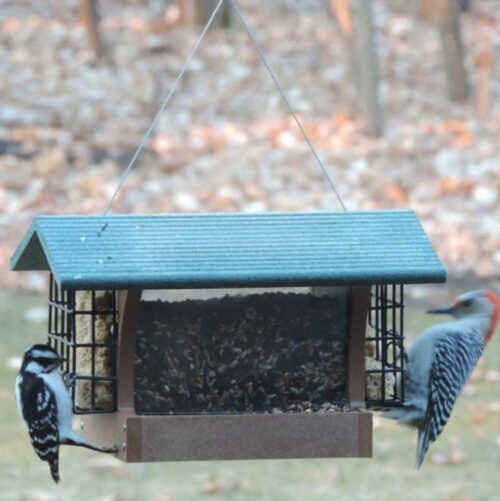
402 101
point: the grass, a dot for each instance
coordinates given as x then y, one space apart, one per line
464 463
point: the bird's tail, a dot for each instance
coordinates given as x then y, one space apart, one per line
422 447
78 441
54 470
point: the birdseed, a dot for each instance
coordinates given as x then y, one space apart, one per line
266 353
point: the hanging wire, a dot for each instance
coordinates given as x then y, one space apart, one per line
265 62
162 107
169 95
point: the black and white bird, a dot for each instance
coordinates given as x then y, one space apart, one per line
440 362
45 406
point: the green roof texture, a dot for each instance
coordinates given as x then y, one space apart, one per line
230 250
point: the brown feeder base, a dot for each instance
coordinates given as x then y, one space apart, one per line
231 437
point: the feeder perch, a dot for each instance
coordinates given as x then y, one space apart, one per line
230 336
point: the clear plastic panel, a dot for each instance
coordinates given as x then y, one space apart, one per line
241 350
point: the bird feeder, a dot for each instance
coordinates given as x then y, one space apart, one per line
230 336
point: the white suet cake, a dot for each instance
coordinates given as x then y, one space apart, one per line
374 381
103 362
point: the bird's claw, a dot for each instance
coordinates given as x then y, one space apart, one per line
70 379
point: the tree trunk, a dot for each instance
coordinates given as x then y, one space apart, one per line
465 5
356 30
89 17
368 65
453 50
484 65
198 12
343 16
446 15
430 9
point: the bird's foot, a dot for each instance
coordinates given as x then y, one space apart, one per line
70 379
109 450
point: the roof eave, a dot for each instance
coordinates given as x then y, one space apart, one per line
78 282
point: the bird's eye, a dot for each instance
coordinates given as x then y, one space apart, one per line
467 303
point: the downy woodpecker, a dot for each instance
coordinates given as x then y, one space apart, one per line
44 404
440 362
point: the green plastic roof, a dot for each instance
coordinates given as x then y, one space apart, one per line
230 250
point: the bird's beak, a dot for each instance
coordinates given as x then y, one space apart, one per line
60 361
444 310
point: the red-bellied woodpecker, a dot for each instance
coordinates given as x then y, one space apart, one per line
440 362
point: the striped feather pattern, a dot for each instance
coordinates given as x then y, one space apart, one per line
39 409
456 356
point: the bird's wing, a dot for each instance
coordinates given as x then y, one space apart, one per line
40 412
455 358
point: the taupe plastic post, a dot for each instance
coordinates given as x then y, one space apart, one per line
360 303
128 310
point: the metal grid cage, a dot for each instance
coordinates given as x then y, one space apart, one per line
82 329
385 344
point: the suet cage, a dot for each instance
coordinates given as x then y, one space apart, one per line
230 336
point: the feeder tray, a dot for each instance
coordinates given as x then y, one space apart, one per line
230 336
